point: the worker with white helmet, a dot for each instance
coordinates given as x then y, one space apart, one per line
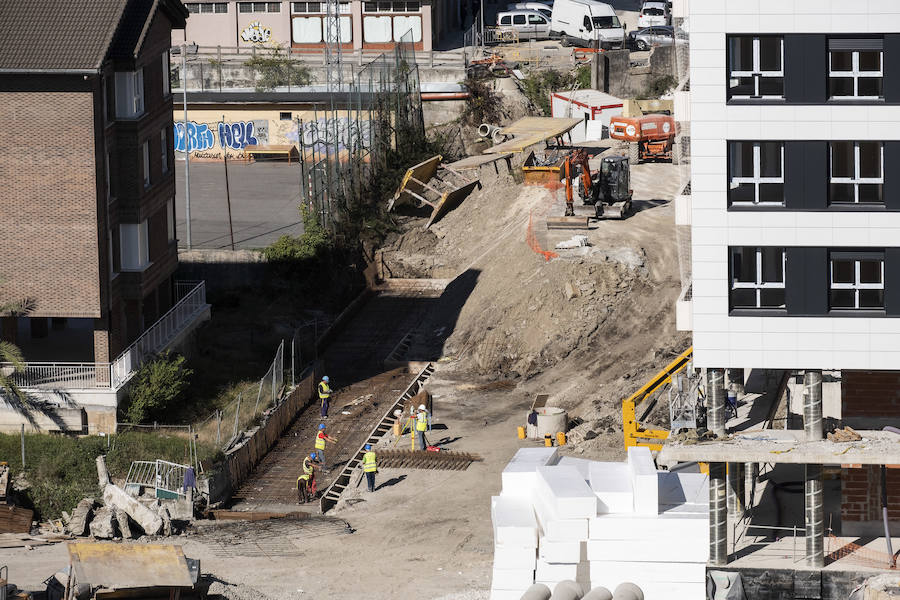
324 395
421 427
369 467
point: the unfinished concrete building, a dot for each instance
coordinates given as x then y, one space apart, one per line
795 289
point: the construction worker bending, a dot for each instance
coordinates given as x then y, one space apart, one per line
421 427
369 467
324 395
306 483
321 438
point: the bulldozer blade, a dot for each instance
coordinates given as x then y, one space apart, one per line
568 222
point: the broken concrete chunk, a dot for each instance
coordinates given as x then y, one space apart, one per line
146 519
102 472
103 525
571 292
122 522
81 516
166 520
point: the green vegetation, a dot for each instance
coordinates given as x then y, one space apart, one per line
538 85
62 470
277 69
310 246
483 105
156 389
657 87
10 353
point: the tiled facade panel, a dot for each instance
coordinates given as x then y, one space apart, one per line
49 203
725 340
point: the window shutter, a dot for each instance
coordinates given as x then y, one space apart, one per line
891 68
892 281
806 281
805 69
806 175
892 175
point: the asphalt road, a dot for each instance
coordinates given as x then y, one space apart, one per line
264 203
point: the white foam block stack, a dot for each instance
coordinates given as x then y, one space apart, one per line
519 478
643 480
515 546
611 483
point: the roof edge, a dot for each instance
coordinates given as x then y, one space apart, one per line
50 71
110 36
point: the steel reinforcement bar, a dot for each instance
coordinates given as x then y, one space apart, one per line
342 481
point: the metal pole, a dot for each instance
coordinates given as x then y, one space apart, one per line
735 489
751 472
718 516
715 413
814 514
812 405
218 427
237 412
884 516
227 190
187 150
23 446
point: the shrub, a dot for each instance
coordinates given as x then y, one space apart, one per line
277 69
311 244
657 87
156 388
483 105
538 86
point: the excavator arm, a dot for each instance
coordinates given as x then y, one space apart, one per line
575 159
634 432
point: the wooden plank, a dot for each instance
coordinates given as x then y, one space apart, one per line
15 519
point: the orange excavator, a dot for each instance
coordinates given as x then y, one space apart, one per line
650 136
607 190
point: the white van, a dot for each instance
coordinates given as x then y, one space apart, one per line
528 24
654 12
544 9
585 21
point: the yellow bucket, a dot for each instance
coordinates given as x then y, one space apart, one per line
548 440
521 431
560 438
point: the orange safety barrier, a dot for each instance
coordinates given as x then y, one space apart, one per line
836 549
532 242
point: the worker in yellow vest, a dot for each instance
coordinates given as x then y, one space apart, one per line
369 467
324 395
421 427
321 438
306 483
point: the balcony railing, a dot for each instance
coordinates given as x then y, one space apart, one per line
49 375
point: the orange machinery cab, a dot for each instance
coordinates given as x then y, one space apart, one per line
654 134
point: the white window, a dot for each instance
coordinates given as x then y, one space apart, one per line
250 7
145 151
134 247
170 219
207 7
856 173
166 75
129 94
855 69
856 280
757 277
756 67
392 7
164 149
317 8
756 172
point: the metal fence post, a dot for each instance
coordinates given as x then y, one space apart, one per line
23 446
218 427
237 412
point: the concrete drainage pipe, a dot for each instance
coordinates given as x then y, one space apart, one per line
567 590
538 591
628 591
486 130
598 593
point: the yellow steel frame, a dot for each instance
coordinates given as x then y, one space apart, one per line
635 434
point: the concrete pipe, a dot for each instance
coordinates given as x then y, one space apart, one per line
486 130
598 593
628 591
567 590
497 137
538 591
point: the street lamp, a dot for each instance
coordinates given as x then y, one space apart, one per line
187 150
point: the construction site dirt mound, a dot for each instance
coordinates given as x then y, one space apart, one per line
586 325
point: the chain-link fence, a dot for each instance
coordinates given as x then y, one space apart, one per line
304 346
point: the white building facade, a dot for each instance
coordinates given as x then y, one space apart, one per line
795 183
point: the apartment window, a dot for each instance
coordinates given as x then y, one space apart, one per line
166 75
757 277
856 281
855 69
756 172
756 67
248 7
284 116
307 7
391 7
145 151
207 7
134 247
857 173
129 94
170 219
164 149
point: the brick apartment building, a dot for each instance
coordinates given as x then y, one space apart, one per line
88 227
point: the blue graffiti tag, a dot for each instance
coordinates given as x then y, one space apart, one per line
199 137
236 135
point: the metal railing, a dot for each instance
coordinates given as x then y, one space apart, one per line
56 375
159 474
159 335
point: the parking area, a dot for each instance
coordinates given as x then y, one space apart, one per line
265 199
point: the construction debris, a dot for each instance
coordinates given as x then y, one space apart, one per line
426 459
576 241
847 434
116 497
81 516
103 524
438 186
147 570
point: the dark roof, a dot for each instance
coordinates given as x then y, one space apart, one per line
341 99
136 22
73 35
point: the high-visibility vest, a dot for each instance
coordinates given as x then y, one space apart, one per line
320 441
307 466
324 391
304 477
421 421
369 462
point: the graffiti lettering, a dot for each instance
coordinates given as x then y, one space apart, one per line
236 135
256 33
317 133
199 137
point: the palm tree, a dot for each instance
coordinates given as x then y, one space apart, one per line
11 357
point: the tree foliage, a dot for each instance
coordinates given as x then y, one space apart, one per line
484 104
156 388
278 69
309 245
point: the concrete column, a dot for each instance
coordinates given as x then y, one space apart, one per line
812 405
735 489
715 398
815 516
718 516
751 473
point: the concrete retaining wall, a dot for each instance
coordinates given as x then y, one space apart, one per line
223 269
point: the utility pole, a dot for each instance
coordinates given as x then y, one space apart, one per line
187 150
227 190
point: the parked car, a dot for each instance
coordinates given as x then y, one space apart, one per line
528 24
544 9
585 22
654 12
642 39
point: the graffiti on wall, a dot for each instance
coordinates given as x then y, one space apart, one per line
316 133
237 135
256 33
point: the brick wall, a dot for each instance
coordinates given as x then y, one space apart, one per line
870 399
861 494
48 233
